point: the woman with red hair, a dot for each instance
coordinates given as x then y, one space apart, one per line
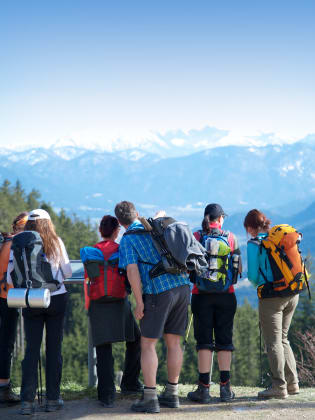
275 312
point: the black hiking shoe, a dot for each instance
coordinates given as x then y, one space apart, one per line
108 401
7 395
27 408
54 405
168 400
226 394
150 406
201 395
136 388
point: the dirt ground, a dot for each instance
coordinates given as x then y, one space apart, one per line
243 407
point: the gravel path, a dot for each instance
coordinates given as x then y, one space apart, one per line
246 407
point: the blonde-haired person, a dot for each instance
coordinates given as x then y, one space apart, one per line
8 316
52 318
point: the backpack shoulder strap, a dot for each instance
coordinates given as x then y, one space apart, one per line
200 235
255 241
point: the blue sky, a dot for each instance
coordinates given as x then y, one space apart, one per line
94 70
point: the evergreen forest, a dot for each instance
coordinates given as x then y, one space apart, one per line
249 367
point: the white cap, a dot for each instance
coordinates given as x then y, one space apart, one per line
38 214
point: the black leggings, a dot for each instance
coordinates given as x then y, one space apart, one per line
34 322
8 323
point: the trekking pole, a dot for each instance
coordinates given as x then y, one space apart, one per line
260 356
40 389
211 369
210 380
187 332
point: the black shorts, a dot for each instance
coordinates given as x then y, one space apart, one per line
166 313
213 320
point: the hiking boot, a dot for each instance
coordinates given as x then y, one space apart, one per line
201 395
150 406
168 400
27 408
273 393
293 389
54 405
226 394
108 401
7 395
136 388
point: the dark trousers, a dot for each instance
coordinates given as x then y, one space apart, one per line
34 321
213 320
8 323
105 366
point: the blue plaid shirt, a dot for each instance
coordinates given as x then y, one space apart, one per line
133 248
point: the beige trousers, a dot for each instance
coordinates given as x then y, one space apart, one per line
275 315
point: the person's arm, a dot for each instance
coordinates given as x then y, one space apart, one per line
64 261
135 283
128 260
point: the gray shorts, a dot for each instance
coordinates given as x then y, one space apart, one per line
166 313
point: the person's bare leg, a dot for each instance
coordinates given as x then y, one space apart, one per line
224 360
174 357
149 361
169 397
149 364
204 360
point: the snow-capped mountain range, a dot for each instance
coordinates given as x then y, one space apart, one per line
179 171
278 178
175 143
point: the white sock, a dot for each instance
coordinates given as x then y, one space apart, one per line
149 394
171 389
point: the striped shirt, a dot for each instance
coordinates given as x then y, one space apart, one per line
136 248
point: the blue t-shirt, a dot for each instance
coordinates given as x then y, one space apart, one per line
136 248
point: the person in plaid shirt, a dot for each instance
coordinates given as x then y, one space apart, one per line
161 306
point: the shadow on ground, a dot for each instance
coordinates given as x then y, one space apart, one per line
243 407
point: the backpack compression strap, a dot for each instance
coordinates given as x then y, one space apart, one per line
28 280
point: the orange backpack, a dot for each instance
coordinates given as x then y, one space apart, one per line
4 261
288 268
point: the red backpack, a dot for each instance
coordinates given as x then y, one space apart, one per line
103 280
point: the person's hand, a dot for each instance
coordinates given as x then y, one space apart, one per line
139 310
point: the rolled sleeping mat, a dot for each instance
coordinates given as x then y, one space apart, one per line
38 298
31 298
17 298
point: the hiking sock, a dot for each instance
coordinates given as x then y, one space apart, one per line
149 393
204 378
224 376
171 388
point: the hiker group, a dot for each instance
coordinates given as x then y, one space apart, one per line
167 268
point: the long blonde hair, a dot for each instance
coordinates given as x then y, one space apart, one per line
47 232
